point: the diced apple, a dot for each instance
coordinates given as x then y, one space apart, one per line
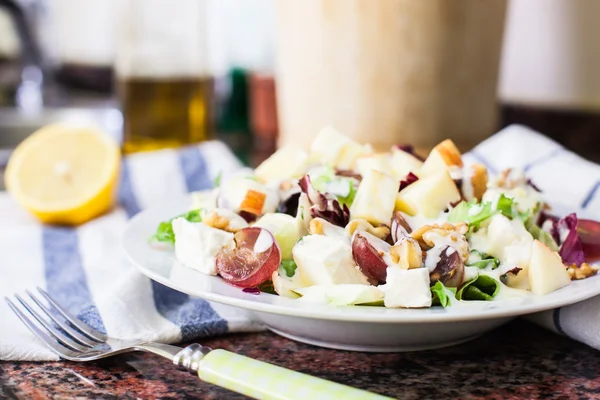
402 163
407 288
286 230
517 278
375 198
246 194
327 146
349 155
379 162
324 260
442 157
429 196
287 162
546 270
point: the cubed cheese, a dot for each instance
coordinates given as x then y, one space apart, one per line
197 245
505 239
375 197
286 162
324 260
407 288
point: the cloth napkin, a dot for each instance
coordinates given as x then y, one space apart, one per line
85 268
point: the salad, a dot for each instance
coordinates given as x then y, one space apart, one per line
346 225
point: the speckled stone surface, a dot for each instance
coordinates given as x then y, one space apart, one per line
517 361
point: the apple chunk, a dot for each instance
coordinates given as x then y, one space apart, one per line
546 270
374 200
443 157
429 196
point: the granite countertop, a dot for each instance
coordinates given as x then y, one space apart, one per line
518 360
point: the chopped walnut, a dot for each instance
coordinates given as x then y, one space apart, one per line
381 231
510 179
450 234
479 180
459 227
225 220
319 226
585 270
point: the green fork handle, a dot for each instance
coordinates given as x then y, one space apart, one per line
261 380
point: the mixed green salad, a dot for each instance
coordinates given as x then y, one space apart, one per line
345 225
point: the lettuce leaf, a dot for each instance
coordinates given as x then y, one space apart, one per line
289 267
471 212
481 288
164 233
482 261
540 234
439 294
343 188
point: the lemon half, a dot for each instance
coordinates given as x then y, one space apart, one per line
64 174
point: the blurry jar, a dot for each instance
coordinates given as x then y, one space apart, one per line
162 74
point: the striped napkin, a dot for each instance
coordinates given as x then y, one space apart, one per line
85 268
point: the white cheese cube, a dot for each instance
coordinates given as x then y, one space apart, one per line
197 245
407 288
324 260
286 162
375 198
505 239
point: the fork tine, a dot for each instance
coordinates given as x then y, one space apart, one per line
61 337
76 322
54 346
75 335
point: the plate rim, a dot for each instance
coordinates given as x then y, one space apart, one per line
328 312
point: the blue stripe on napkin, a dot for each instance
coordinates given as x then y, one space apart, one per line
590 195
194 316
194 169
65 277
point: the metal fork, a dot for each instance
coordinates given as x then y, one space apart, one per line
71 339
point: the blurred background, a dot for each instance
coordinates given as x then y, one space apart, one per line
261 73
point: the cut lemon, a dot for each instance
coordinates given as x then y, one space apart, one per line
63 174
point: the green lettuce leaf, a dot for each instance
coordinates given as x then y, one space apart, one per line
482 261
164 233
471 212
289 267
481 288
343 188
540 234
439 294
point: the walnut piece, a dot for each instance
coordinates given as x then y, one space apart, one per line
225 220
459 227
381 231
585 270
479 180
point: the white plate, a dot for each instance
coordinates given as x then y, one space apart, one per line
342 327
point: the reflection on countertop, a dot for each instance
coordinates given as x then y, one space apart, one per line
518 360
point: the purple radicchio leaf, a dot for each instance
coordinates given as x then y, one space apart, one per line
324 205
410 150
571 248
408 180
